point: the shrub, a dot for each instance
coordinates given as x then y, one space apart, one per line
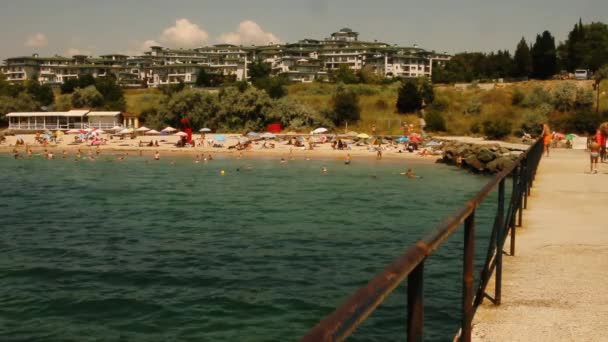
586 122
584 98
345 106
473 107
88 97
564 96
381 104
497 127
476 127
435 122
536 97
441 103
532 122
518 97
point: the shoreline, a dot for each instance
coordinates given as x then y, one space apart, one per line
168 150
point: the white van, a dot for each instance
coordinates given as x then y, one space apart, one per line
582 74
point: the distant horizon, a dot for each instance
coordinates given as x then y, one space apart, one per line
67 28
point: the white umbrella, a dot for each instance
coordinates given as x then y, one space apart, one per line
169 129
116 128
320 130
142 129
181 134
152 132
268 136
125 131
99 131
205 130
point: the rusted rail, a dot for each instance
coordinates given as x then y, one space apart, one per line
340 324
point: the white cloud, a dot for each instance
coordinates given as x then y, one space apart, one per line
184 34
36 40
248 32
74 51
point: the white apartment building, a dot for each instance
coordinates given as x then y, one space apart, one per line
304 61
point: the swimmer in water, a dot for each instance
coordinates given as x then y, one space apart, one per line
324 169
210 157
29 152
120 158
410 174
64 154
347 161
283 161
51 156
197 159
156 156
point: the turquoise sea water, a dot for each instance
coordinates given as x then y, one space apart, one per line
149 251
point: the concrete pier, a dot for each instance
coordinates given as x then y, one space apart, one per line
556 286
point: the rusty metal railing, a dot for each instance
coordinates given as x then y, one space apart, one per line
346 318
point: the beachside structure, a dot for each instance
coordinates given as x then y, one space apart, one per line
304 61
73 119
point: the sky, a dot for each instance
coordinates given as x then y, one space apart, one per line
95 27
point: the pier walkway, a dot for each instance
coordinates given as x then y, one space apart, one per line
556 286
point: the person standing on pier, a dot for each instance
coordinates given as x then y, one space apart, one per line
547 138
594 154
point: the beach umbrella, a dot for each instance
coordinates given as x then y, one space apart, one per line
320 130
253 134
362 136
243 140
142 129
402 139
219 137
125 131
152 132
351 134
560 136
433 143
268 136
571 136
116 128
169 129
415 137
45 136
181 134
205 130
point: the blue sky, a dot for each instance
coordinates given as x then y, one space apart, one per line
127 26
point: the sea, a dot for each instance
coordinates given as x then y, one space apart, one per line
172 250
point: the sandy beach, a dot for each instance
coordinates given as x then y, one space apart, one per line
167 148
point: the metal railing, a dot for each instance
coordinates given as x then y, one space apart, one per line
346 318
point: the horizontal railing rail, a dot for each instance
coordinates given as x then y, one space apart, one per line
340 324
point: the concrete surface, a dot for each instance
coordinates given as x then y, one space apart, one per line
556 287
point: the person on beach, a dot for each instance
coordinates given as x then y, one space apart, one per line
29 152
15 154
600 139
594 154
46 154
64 154
50 155
547 138
156 156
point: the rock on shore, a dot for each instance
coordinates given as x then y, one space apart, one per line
478 158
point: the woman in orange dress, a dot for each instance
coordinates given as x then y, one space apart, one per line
547 137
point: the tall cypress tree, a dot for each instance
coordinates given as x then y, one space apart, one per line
522 60
544 56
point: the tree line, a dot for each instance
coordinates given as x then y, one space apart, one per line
585 48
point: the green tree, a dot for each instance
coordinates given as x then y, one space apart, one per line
23 102
113 95
497 127
199 106
68 86
259 71
409 99
598 77
367 75
85 80
203 78
544 56
564 96
246 110
344 75
345 106
88 97
296 115
62 103
426 90
435 122
522 60
43 94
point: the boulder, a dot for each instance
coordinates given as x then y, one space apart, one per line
485 155
474 163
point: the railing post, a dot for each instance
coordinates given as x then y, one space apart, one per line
415 304
524 184
499 241
467 277
511 219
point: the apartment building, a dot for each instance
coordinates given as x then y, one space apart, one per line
304 61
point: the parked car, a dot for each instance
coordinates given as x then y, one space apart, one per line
582 74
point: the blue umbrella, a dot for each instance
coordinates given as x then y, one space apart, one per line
220 137
402 140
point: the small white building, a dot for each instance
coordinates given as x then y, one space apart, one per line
73 119
103 120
